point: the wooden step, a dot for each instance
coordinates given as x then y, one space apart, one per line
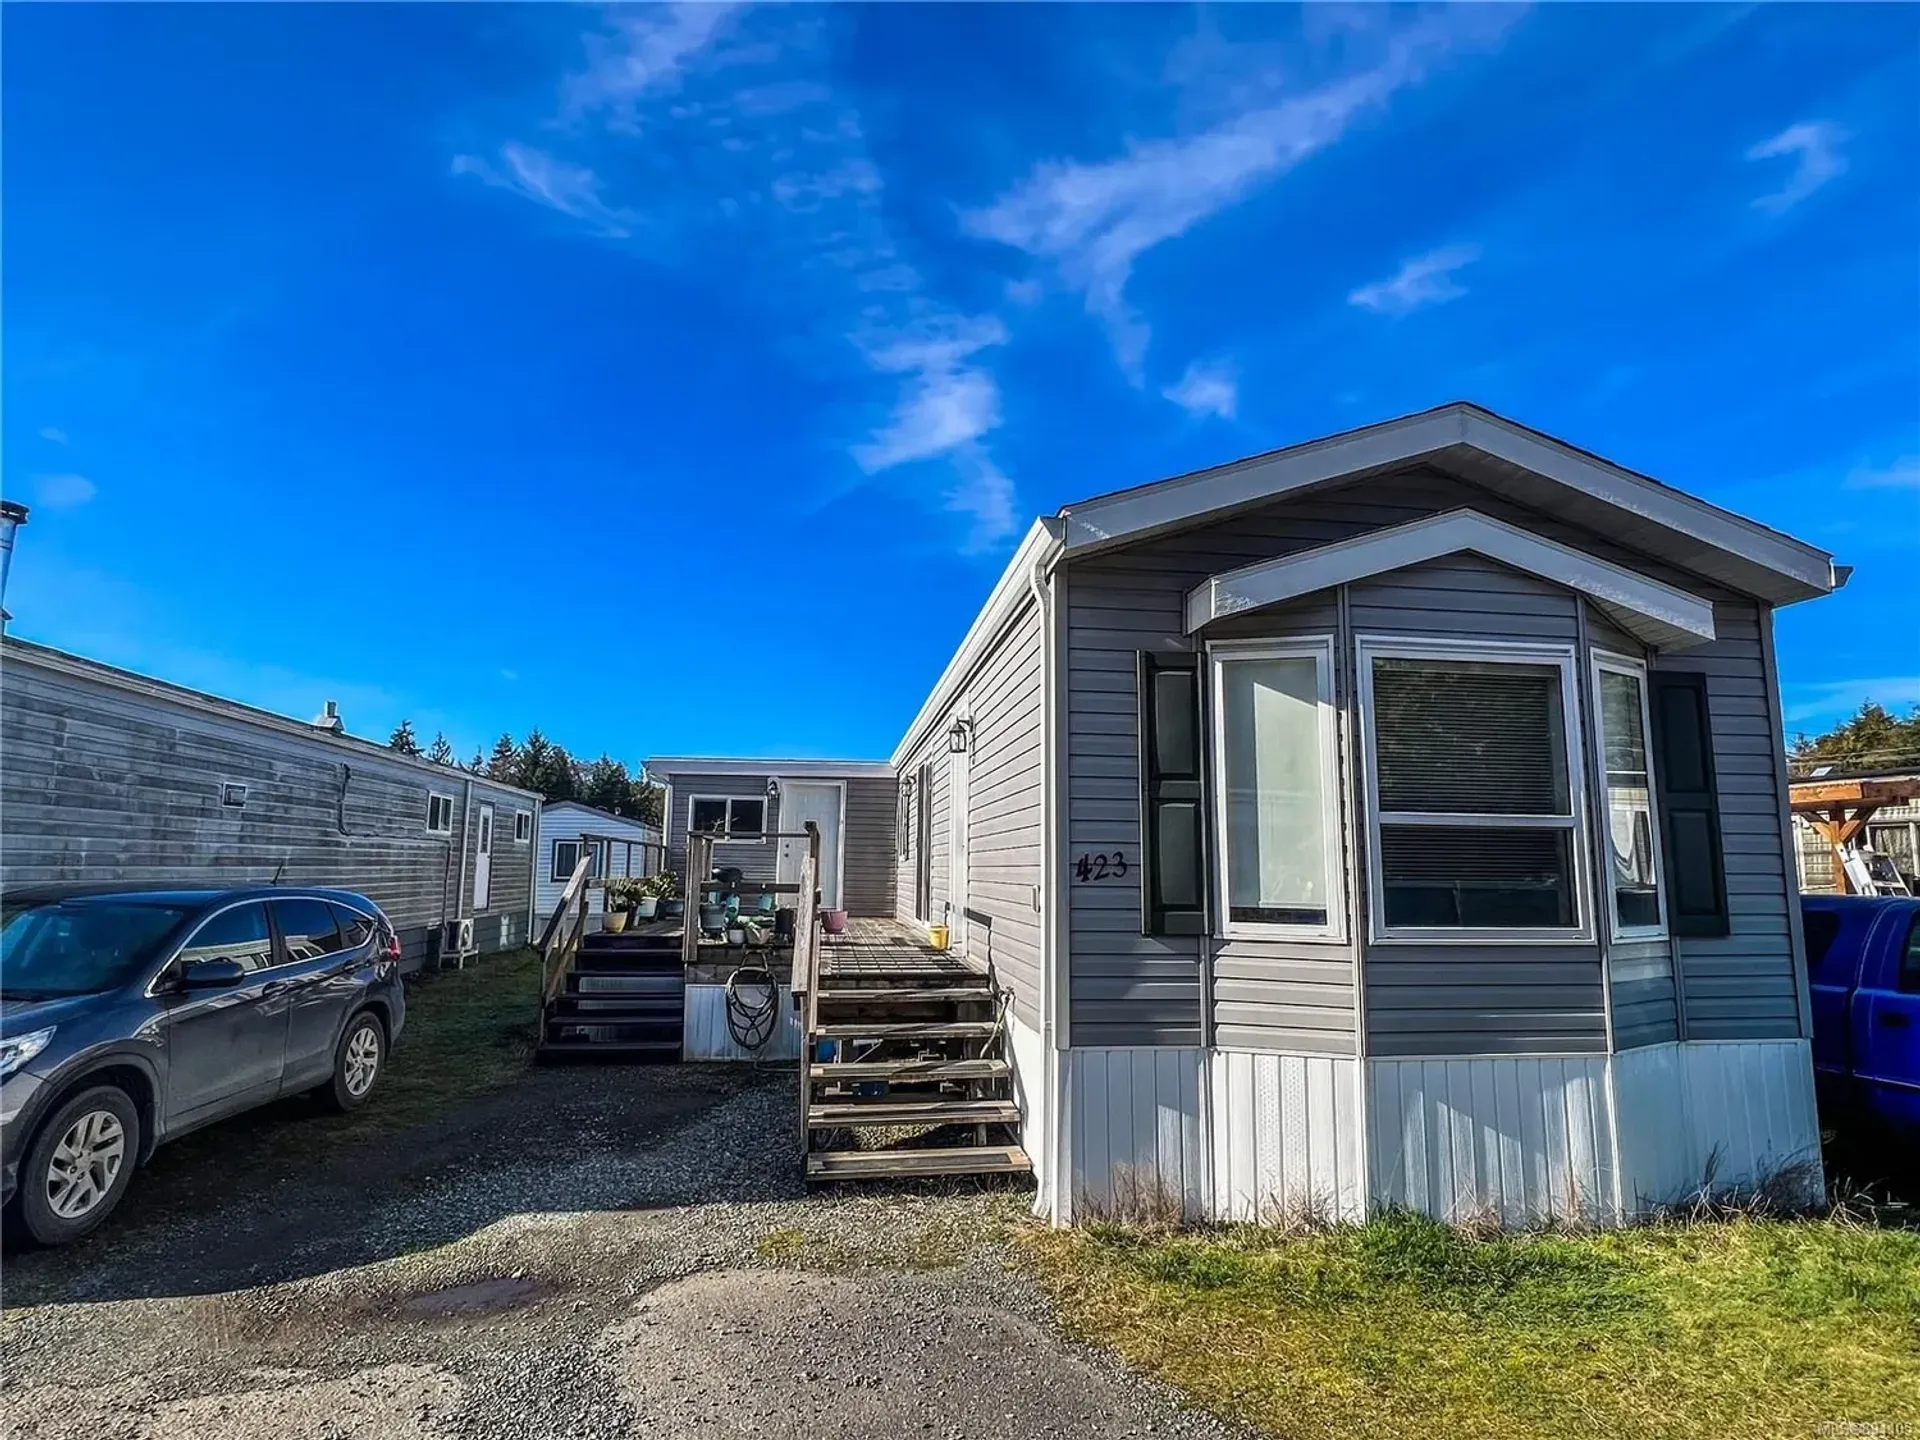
907 1164
906 995
907 1029
850 1114
908 1071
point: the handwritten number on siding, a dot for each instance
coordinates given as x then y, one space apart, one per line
1101 866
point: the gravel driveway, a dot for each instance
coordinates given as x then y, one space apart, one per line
594 1252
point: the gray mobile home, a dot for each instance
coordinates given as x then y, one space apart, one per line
111 777
1395 819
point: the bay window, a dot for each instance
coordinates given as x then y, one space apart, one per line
1276 806
1633 854
1474 819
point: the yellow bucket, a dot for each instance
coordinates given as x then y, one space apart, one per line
937 936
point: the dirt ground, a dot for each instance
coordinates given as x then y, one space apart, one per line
589 1252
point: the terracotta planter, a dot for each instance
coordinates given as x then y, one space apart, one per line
614 921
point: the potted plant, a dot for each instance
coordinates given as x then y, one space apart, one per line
646 902
619 905
667 889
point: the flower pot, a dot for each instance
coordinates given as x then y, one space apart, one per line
736 937
648 907
713 919
673 908
834 922
614 921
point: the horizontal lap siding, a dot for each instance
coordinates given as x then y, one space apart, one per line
1742 986
1644 1012
100 784
755 862
867 885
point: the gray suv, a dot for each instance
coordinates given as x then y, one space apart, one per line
128 1018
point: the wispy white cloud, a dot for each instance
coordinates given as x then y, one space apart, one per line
1814 147
1424 280
1209 387
1900 474
545 179
640 54
1834 699
57 436
64 492
509 675
1093 221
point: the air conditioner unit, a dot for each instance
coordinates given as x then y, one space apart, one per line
457 941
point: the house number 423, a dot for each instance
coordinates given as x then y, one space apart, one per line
1111 865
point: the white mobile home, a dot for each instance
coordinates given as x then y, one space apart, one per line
617 845
1399 818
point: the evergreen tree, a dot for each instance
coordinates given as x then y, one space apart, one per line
440 752
605 785
478 765
403 739
649 801
504 763
1873 739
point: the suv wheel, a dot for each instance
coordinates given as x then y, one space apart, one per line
79 1165
357 1063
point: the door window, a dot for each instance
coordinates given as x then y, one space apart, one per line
239 934
308 928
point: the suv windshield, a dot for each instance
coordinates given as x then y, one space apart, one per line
80 947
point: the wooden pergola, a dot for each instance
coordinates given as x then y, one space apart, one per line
1839 810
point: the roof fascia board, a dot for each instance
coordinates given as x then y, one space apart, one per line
680 766
1666 617
24 652
1009 596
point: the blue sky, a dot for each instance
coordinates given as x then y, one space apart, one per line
502 366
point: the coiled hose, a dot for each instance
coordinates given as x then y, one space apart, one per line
753 1006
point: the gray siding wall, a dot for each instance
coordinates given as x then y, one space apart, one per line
1743 986
866 887
104 784
1126 988
1004 699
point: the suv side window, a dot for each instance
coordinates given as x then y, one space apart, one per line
355 929
237 934
1909 981
1822 928
308 927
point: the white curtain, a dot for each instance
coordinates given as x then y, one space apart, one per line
1276 822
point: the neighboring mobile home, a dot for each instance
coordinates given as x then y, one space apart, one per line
1395 819
108 777
617 844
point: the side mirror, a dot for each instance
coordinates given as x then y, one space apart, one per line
212 975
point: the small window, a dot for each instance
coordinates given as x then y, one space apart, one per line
233 795
522 827
238 934
308 928
566 855
356 930
736 815
440 814
1822 928
1474 814
1275 789
1633 869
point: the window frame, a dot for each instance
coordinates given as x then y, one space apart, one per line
1319 649
555 875
730 801
1603 662
523 827
1466 650
434 799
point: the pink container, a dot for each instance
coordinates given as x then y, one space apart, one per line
834 922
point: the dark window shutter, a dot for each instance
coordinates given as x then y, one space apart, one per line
1173 871
1689 811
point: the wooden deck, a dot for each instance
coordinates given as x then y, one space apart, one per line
887 950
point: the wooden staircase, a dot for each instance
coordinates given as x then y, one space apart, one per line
905 1074
623 999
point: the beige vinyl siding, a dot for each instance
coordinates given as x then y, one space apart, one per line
101 782
754 861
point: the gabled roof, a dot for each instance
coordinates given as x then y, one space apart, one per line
672 765
551 807
1506 458
1666 618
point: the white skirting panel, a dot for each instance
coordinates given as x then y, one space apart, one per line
1286 1137
708 1038
1029 1055
1134 1127
1732 1113
1517 1137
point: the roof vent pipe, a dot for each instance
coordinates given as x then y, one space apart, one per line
12 516
329 719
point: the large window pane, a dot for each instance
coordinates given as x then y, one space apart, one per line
1469 738
708 815
1275 792
1623 739
1473 877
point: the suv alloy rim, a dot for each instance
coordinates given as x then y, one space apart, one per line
363 1059
85 1163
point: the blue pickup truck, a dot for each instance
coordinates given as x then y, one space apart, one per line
1863 963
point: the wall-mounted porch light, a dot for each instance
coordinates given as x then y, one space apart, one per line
960 737
773 788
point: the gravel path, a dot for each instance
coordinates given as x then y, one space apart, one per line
607 1253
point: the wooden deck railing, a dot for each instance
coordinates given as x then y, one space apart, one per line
560 941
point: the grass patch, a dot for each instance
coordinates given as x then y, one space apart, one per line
1405 1327
883 1233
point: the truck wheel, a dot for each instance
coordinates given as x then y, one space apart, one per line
79 1165
358 1062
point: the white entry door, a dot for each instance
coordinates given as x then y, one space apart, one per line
483 861
958 857
821 802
